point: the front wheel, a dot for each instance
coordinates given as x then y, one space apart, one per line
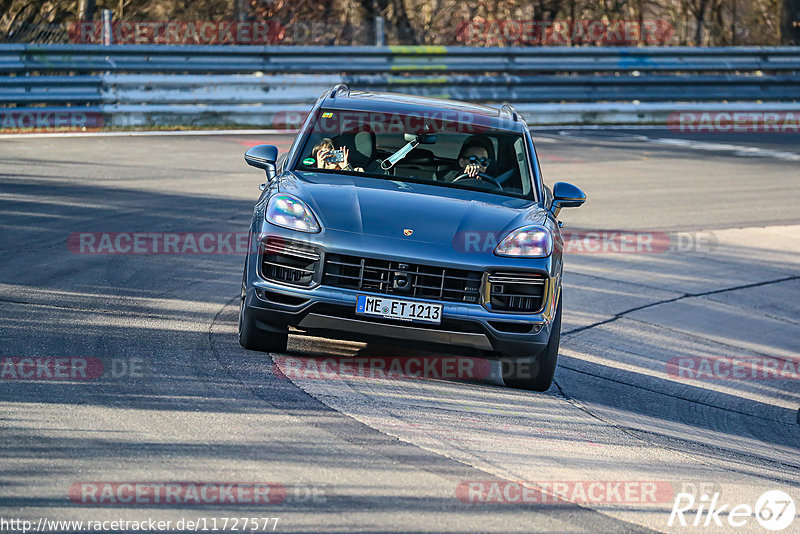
252 337
535 372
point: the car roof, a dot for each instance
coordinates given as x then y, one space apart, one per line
504 119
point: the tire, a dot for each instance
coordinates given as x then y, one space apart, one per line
535 373
252 337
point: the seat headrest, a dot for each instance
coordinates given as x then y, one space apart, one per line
419 156
361 146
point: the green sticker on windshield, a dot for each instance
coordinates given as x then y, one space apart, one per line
309 161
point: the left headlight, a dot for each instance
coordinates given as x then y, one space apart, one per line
290 212
526 242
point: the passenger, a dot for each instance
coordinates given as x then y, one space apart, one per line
322 152
475 157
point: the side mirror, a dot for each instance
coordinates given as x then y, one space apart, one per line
566 196
262 157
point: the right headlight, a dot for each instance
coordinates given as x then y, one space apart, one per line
527 242
290 212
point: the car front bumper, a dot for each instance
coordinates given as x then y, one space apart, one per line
330 311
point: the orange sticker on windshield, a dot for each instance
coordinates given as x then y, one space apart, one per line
327 115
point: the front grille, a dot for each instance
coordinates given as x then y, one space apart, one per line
287 261
401 278
517 292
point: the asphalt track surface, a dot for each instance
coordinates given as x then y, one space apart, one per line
388 455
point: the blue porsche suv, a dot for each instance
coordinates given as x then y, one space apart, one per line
418 220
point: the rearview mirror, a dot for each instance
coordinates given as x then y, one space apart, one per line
422 138
566 196
262 157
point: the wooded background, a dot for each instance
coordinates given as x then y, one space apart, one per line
422 22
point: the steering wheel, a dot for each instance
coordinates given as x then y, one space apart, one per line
485 176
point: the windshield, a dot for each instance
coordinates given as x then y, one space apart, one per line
431 150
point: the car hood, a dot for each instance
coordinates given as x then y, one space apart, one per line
387 208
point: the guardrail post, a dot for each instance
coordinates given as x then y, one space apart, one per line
380 31
240 10
85 10
108 38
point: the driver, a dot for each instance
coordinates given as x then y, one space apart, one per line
475 157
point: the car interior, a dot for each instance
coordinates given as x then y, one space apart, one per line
433 161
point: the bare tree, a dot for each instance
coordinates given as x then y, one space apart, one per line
790 22
440 22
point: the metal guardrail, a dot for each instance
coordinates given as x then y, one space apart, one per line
406 59
512 89
51 89
239 84
165 89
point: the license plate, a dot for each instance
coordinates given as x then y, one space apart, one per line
402 310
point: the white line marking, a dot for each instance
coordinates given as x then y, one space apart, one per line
737 150
593 127
145 133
